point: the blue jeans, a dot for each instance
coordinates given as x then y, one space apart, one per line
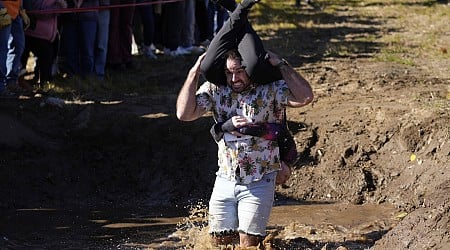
12 45
188 31
244 208
77 44
101 48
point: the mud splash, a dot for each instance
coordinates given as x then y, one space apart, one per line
309 225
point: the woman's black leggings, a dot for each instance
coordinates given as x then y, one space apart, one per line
237 33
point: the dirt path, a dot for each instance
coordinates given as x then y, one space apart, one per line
377 133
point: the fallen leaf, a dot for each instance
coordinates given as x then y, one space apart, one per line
401 215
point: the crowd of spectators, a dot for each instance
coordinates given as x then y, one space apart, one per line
87 38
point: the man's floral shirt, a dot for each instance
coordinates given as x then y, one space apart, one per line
246 160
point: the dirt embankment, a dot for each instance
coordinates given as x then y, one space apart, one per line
101 154
380 144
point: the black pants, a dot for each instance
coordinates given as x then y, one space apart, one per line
44 52
237 33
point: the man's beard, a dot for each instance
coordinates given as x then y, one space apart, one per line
239 86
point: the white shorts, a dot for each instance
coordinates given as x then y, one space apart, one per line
238 207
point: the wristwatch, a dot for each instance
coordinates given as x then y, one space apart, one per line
281 63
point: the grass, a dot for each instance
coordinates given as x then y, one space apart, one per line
406 32
421 32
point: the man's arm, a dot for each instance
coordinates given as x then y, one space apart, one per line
187 109
301 91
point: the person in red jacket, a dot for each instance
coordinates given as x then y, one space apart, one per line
12 44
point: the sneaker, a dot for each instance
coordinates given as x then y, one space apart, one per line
184 51
148 52
178 52
169 52
159 51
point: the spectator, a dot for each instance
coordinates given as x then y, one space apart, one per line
40 37
217 15
172 17
101 41
79 30
12 44
201 20
144 28
195 33
121 34
188 30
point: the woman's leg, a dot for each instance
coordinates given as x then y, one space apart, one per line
237 33
43 50
254 57
88 31
226 39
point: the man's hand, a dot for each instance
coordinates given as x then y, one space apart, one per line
228 126
273 58
233 123
25 18
240 121
300 91
283 175
5 18
187 108
196 67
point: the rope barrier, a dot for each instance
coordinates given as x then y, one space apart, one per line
87 9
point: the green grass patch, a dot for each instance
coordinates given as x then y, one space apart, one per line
406 32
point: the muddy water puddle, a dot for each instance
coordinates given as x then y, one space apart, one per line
353 226
293 226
